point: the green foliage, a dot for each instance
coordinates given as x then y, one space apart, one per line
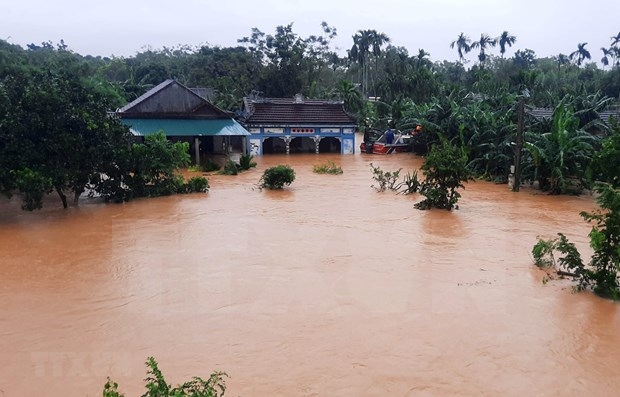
385 180
34 187
410 183
543 253
110 389
58 128
210 166
277 177
230 168
157 386
561 157
601 274
605 163
245 162
196 184
155 166
327 168
445 170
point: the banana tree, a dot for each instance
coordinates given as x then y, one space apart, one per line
560 158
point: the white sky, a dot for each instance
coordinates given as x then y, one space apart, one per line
122 28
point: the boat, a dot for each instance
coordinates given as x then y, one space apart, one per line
376 143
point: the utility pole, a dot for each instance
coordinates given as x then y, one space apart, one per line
519 144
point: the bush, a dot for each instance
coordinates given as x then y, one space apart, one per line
385 179
197 184
327 168
601 274
445 170
210 166
277 177
245 162
157 386
230 168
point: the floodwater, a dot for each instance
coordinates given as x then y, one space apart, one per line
327 288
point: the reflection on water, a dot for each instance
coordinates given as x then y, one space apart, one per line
326 288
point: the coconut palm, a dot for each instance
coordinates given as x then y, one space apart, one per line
463 45
506 39
580 54
485 42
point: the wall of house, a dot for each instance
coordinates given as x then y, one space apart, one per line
265 140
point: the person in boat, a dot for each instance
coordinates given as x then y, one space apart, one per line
389 136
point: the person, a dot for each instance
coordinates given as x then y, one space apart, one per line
389 136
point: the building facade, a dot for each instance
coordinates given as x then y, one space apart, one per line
298 125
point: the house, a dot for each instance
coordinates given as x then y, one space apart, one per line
185 115
298 125
606 116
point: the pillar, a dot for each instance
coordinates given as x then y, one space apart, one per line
197 149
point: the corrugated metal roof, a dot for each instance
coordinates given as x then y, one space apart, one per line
180 127
172 99
146 95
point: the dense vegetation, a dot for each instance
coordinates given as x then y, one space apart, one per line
601 273
55 134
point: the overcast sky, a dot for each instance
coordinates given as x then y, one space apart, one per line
123 28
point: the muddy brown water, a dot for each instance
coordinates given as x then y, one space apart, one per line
327 288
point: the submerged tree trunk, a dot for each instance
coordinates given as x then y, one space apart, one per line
62 195
76 196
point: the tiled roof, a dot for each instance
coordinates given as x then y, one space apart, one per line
291 111
547 114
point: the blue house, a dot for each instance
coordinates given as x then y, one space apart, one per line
298 125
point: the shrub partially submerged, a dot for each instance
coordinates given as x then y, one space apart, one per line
327 168
157 386
386 180
277 177
601 273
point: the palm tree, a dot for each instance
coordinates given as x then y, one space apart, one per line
615 50
377 40
562 60
580 54
484 42
506 39
421 57
606 53
365 43
463 45
615 39
350 95
362 41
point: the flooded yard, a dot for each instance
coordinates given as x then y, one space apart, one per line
327 288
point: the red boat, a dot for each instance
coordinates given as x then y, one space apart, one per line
378 145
